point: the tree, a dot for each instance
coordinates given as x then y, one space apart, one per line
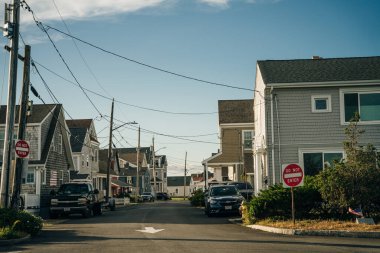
354 182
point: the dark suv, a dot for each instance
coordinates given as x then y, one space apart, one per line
244 188
223 199
73 198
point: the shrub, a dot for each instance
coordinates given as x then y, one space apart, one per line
19 221
275 202
197 199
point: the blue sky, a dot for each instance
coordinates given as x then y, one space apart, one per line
213 40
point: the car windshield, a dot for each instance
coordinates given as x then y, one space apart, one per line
146 193
223 191
73 189
243 186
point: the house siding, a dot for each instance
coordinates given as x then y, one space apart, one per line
299 128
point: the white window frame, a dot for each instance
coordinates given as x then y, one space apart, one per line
242 137
359 91
301 151
30 172
43 176
319 97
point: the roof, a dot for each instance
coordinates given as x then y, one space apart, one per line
235 111
79 123
320 70
131 172
120 183
39 112
77 138
143 150
178 181
74 175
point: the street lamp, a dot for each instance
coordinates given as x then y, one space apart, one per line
127 123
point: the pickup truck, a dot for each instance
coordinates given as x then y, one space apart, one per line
76 197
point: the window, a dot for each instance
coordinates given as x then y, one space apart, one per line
43 176
52 144
247 139
59 144
366 103
321 103
176 190
313 162
30 177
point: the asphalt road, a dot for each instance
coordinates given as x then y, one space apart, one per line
183 229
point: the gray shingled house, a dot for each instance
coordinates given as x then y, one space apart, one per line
85 148
302 107
234 160
178 187
50 158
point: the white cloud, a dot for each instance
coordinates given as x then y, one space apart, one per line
86 9
219 3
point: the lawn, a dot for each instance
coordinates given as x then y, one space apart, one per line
320 225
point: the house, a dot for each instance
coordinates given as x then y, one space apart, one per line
234 161
128 176
179 186
161 170
302 107
50 158
85 148
197 181
100 181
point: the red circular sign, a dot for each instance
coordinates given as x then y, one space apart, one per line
22 148
292 175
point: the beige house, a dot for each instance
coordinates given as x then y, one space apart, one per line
234 161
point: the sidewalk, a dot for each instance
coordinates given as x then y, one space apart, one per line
284 231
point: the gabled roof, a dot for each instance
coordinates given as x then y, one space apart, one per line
79 123
143 150
39 113
320 70
74 175
78 129
235 111
178 181
131 172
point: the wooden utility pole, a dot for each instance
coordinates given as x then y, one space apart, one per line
13 30
109 157
184 179
22 128
154 167
138 166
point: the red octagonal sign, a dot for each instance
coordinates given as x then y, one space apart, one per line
22 149
292 175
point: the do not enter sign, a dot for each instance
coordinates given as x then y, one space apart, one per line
22 149
292 175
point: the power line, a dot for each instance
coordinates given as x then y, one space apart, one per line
144 64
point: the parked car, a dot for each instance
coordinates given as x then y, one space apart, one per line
162 196
147 196
223 199
75 198
244 188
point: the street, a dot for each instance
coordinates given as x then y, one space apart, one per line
174 226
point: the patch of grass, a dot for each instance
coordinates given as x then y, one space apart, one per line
7 233
178 198
320 225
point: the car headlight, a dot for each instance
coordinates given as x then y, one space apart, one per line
213 202
54 202
82 201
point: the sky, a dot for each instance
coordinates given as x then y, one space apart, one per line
168 62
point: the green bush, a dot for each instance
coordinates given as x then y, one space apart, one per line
275 202
197 199
20 221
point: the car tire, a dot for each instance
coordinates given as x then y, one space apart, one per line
87 213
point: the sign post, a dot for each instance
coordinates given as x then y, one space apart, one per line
22 149
292 176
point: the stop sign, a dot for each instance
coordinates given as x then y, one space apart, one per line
22 149
292 175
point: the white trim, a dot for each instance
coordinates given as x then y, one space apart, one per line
227 125
320 97
324 84
359 90
223 164
252 139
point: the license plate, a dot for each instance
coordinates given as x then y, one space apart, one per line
66 209
228 207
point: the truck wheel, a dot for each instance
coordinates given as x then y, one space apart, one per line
87 213
97 209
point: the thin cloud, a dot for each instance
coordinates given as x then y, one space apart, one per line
218 3
86 9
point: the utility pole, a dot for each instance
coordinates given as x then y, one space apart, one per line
22 128
13 30
138 164
109 157
184 179
154 168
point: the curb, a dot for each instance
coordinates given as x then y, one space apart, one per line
14 241
285 231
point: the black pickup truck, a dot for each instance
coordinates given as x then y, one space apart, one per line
75 197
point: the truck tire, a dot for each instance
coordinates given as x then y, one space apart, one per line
87 213
97 209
